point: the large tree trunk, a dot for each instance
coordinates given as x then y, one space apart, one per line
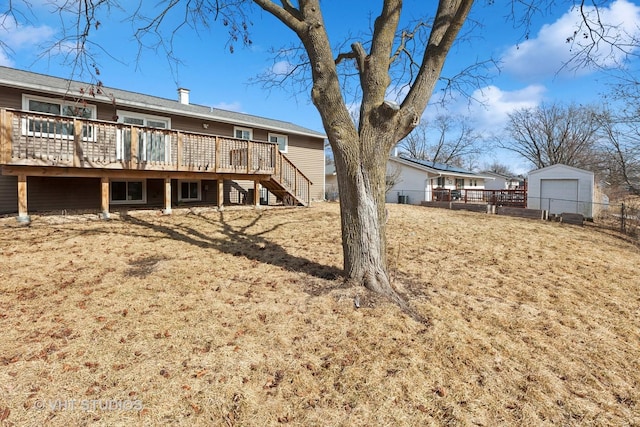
361 182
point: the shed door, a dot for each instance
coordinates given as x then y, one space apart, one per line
559 195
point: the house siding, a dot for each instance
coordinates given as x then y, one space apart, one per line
11 98
47 194
308 155
411 183
8 194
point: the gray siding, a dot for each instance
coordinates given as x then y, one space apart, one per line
47 194
11 98
8 194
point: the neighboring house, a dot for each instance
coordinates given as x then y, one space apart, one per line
70 146
503 182
331 182
414 181
561 189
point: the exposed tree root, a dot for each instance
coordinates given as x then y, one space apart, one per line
395 297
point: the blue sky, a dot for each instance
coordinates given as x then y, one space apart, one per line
530 69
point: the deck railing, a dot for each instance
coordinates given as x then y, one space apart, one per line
514 198
35 139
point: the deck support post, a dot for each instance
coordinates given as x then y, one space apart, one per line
104 197
220 194
167 196
256 193
23 213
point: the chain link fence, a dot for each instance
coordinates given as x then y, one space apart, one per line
620 215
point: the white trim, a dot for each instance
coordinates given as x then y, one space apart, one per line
128 202
59 101
190 181
280 135
240 128
124 113
121 114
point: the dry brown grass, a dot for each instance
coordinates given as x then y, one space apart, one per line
238 319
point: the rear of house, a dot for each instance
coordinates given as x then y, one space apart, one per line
73 146
413 181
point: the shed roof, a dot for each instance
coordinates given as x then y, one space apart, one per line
559 166
21 79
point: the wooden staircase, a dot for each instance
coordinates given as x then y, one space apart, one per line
288 183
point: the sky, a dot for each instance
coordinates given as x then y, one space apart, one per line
530 69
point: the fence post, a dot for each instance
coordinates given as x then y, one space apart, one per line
623 224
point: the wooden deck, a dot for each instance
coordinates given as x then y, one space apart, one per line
513 198
42 144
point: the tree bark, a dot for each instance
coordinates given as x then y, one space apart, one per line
363 217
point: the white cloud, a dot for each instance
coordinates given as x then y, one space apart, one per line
495 105
544 55
490 107
5 60
282 68
23 36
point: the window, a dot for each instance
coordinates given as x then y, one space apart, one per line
153 143
243 133
459 183
129 192
55 126
281 140
189 191
440 181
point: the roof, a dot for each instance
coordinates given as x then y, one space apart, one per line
435 165
560 166
499 175
438 168
12 77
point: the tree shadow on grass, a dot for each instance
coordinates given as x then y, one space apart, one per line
239 242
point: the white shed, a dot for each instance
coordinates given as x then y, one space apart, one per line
561 189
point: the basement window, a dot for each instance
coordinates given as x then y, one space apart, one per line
128 192
189 191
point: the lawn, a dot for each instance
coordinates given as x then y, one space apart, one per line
239 318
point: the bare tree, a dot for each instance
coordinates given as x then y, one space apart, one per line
395 69
500 168
552 134
620 148
447 139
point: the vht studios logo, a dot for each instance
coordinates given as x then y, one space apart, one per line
89 405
